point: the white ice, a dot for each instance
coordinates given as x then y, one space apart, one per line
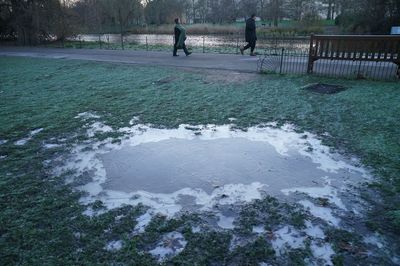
29 137
322 252
225 222
287 237
259 229
321 212
327 191
171 245
114 245
87 115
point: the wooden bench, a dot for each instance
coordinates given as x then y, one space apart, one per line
377 48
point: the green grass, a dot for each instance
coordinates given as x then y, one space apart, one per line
40 214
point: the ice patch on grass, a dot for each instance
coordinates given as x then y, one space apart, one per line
374 240
322 252
29 137
171 245
114 245
3 156
169 204
22 141
51 146
142 222
87 115
239 241
134 120
321 212
98 127
314 231
196 229
287 237
259 229
326 191
3 141
225 222
396 260
36 131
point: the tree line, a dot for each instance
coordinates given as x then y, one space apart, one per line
32 21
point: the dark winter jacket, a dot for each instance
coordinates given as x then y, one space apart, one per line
177 33
180 36
251 30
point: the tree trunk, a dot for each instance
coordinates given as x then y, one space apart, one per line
194 12
276 12
329 14
121 28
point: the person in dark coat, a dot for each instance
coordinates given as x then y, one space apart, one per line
180 37
251 36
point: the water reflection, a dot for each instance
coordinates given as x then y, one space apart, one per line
199 41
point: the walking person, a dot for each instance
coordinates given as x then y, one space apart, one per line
180 38
251 36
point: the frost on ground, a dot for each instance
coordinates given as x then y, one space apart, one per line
51 146
225 222
171 244
142 222
321 212
321 191
87 115
29 137
287 237
114 245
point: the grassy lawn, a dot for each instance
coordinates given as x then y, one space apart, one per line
40 215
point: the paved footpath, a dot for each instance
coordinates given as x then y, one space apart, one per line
196 60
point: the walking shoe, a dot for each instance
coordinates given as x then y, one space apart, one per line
175 55
241 50
188 53
253 54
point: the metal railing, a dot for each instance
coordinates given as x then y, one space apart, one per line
296 62
283 55
212 43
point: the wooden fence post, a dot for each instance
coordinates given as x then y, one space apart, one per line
310 56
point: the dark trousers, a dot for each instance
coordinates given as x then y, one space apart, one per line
184 49
251 45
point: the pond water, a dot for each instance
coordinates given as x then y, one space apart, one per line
208 41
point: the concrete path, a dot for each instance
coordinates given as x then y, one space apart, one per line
205 61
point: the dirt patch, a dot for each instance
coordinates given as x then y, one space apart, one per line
224 76
324 88
166 80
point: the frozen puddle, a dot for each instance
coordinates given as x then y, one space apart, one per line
170 165
196 168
